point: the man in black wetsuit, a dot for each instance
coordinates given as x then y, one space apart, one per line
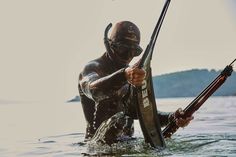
104 88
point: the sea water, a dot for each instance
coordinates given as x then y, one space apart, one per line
57 129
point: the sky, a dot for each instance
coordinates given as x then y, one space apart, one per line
44 44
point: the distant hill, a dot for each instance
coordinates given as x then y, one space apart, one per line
189 84
76 98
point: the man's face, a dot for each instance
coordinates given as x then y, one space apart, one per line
126 53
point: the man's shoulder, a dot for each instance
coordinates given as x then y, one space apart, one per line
93 65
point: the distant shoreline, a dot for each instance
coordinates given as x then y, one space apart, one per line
187 83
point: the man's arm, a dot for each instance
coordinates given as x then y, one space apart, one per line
166 117
99 87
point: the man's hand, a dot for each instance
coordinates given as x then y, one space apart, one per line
181 122
134 75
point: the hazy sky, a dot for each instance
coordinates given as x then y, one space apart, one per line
45 43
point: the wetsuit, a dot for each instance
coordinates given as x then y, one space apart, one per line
108 101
